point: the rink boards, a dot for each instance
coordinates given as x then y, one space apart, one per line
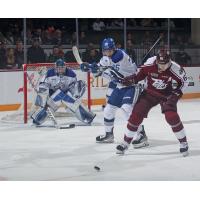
11 88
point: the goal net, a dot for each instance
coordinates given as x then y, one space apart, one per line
32 74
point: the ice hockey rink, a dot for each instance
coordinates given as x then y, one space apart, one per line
29 153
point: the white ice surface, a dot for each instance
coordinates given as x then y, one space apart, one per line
28 153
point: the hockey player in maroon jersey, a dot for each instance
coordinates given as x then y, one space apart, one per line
165 81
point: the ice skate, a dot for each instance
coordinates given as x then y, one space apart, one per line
121 148
141 141
184 149
107 138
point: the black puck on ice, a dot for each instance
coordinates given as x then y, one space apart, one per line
97 168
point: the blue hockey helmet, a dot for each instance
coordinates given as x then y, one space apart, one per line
60 66
108 44
60 63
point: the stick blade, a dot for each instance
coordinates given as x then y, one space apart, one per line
68 126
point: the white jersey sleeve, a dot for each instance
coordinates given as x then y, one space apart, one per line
150 61
120 62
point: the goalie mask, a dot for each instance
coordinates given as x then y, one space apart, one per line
163 60
60 67
108 47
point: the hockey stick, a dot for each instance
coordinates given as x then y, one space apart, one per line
49 112
114 73
149 51
77 55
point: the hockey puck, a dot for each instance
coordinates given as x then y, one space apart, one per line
97 168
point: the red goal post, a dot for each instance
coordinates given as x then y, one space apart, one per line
34 70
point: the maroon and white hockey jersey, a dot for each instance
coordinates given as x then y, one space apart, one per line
172 80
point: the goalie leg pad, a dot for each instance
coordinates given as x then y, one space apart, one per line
55 100
81 112
39 116
84 115
70 102
41 98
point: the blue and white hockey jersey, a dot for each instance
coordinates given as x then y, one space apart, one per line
53 81
121 62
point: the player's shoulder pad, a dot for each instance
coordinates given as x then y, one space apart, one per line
177 69
117 56
51 72
150 61
104 61
70 73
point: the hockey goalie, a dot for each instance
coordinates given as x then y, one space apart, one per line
60 87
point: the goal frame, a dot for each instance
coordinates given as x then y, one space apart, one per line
25 87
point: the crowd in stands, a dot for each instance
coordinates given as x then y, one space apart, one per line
91 32
60 34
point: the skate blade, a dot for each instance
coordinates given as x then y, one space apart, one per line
141 145
106 141
185 154
120 152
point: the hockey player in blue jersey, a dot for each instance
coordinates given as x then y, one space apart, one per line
60 86
115 64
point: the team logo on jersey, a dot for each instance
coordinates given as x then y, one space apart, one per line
159 84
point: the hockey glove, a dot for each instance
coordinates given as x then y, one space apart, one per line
94 68
173 98
128 81
85 67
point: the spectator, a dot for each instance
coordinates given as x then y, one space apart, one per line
19 54
147 22
56 54
10 58
165 23
147 42
118 45
2 55
9 38
87 51
131 22
83 39
92 56
98 25
117 23
35 53
179 40
48 36
2 38
130 37
61 52
182 57
188 41
38 34
130 50
69 57
73 38
172 38
57 37
29 36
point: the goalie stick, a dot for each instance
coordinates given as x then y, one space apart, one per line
49 112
